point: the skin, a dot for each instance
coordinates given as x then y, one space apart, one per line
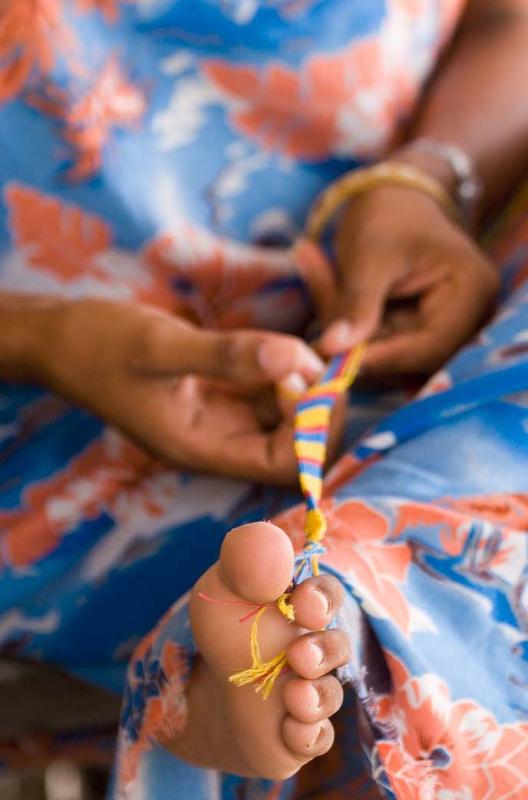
419 286
248 736
411 281
394 244
189 396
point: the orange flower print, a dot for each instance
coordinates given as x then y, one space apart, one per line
155 708
56 238
51 508
358 546
335 105
348 102
453 751
218 281
32 34
500 549
496 548
108 8
508 510
453 527
213 281
71 247
113 102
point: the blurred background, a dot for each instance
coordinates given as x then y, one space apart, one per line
43 707
62 780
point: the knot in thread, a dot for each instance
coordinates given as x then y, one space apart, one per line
315 525
285 607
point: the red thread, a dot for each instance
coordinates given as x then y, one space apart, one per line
255 606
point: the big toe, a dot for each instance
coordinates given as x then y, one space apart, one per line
256 562
255 567
271 739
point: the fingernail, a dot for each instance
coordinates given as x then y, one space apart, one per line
313 363
339 334
274 358
317 654
322 599
293 385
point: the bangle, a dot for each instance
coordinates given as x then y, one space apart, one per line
468 185
363 180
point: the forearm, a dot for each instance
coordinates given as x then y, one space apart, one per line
477 99
24 326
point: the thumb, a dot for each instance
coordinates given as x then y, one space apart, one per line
244 357
359 310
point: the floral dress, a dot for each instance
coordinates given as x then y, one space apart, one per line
166 151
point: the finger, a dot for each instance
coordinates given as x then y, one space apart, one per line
360 309
317 275
337 426
438 334
446 317
267 458
289 392
417 351
245 357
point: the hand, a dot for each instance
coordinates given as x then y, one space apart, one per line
185 394
411 281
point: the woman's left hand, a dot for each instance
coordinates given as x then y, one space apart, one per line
411 281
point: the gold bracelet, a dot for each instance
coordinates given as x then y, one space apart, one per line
362 180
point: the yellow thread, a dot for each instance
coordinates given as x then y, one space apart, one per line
315 525
285 607
335 385
353 364
315 450
311 416
264 676
264 673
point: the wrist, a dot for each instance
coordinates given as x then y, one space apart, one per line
364 181
451 167
438 169
26 332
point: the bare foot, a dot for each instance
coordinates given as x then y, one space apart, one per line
233 729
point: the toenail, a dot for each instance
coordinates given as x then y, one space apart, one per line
317 653
318 736
316 696
323 600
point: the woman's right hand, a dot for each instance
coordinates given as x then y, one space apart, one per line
185 394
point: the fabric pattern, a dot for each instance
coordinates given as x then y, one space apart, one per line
246 110
427 530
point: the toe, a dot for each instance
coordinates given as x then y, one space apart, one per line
312 701
314 654
317 601
307 740
256 561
